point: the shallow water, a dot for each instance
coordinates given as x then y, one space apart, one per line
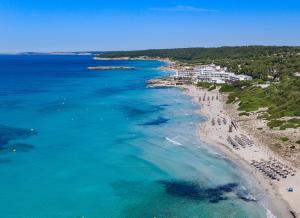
79 143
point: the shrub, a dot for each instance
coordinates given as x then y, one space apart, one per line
212 88
244 114
205 85
284 139
274 123
227 88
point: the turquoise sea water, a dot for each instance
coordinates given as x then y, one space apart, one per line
78 143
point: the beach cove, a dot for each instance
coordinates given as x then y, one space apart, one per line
216 132
80 143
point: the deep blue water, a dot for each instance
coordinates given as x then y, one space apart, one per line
78 143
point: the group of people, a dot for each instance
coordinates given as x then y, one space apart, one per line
208 98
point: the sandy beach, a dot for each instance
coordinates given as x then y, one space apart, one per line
251 155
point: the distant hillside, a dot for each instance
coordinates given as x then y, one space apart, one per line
258 61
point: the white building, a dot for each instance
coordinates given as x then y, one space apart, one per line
211 73
240 77
184 73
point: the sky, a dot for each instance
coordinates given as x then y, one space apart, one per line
84 25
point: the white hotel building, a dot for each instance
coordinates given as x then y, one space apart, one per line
211 73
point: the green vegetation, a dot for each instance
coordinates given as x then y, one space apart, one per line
261 62
292 123
244 114
284 139
251 99
213 87
280 100
275 123
298 142
204 85
227 88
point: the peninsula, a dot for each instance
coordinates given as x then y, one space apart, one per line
111 68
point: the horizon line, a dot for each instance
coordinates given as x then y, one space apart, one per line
146 49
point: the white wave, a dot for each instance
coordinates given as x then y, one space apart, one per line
251 197
269 214
244 188
172 141
215 153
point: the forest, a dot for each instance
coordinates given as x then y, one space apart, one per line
262 62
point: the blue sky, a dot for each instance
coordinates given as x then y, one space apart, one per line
72 25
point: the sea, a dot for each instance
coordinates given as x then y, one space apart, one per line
77 143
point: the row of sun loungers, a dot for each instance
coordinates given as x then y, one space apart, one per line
234 144
244 140
247 140
204 98
240 141
273 169
219 120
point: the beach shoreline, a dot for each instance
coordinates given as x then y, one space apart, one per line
279 201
